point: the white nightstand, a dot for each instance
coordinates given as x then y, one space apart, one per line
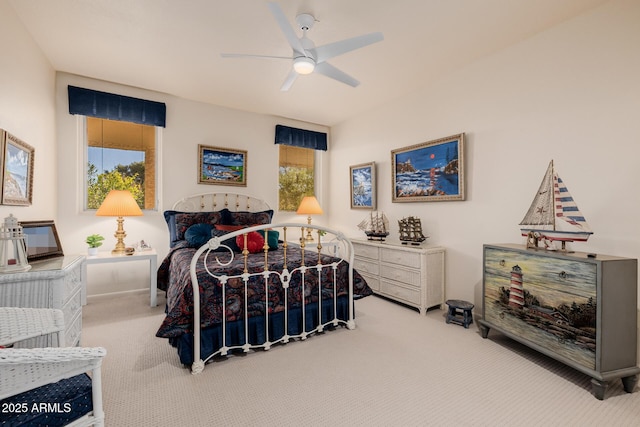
150 255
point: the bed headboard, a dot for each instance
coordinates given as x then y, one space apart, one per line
218 201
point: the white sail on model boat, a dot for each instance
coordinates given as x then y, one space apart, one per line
554 215
376 227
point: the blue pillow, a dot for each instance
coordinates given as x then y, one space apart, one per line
198 234
248 218
272 238
178 222
170 218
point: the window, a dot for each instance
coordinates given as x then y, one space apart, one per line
296 176
120 156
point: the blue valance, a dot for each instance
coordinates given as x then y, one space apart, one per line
301 138
116 107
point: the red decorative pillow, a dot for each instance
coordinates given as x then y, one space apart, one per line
229 228
255 242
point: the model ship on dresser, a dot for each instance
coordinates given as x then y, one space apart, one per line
554 215
376 227
411 231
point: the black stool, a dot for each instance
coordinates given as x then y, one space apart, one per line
460 312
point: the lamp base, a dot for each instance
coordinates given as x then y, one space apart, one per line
120 248
309 237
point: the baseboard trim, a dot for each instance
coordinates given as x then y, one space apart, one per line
115 294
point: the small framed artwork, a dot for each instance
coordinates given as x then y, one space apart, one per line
41 239
17 171
363 186
222 166
429 172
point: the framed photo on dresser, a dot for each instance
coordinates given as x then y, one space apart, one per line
42 239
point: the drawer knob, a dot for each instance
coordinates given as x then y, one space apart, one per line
562 274
502 263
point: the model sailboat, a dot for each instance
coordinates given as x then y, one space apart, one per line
376 227
554 215
411 231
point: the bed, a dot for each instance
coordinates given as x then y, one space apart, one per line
256 284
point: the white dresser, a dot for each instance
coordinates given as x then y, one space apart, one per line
51 283
412 275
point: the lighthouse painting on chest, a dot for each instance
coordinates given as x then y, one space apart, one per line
429 172
553 306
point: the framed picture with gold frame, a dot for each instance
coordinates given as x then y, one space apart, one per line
17 171
432 171
222 166
363 186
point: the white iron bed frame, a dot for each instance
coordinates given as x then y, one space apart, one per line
342 250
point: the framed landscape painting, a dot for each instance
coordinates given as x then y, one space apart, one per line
363 186
17 171
222 166
429 172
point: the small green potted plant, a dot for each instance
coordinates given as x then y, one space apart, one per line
94 241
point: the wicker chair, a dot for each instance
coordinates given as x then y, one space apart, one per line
47 386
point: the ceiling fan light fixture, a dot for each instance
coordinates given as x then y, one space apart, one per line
304 65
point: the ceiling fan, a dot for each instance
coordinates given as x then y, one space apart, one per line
306 57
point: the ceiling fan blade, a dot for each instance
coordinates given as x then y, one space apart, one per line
338 48
243 55
289 81
329 70
286 28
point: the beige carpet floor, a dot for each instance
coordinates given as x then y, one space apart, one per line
396 368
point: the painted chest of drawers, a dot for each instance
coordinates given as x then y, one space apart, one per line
411 275
578 308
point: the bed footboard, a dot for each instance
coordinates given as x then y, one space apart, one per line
316 272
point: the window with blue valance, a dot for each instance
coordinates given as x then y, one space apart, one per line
105 105
301 138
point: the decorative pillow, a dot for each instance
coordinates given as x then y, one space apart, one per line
272 238
198 234
255 242
229 228
178 222
248 218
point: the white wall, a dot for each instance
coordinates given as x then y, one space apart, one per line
188 124
570 94
27 111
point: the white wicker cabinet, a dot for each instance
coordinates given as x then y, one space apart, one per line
54 283
412 275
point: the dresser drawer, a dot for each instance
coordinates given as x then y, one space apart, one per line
73 280
408 277
541 271
406 294
372 281
72 333
365 251
366 266
404 258
72 307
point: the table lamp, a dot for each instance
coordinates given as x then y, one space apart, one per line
309 206
119 203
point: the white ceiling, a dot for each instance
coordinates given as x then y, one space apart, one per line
174 46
